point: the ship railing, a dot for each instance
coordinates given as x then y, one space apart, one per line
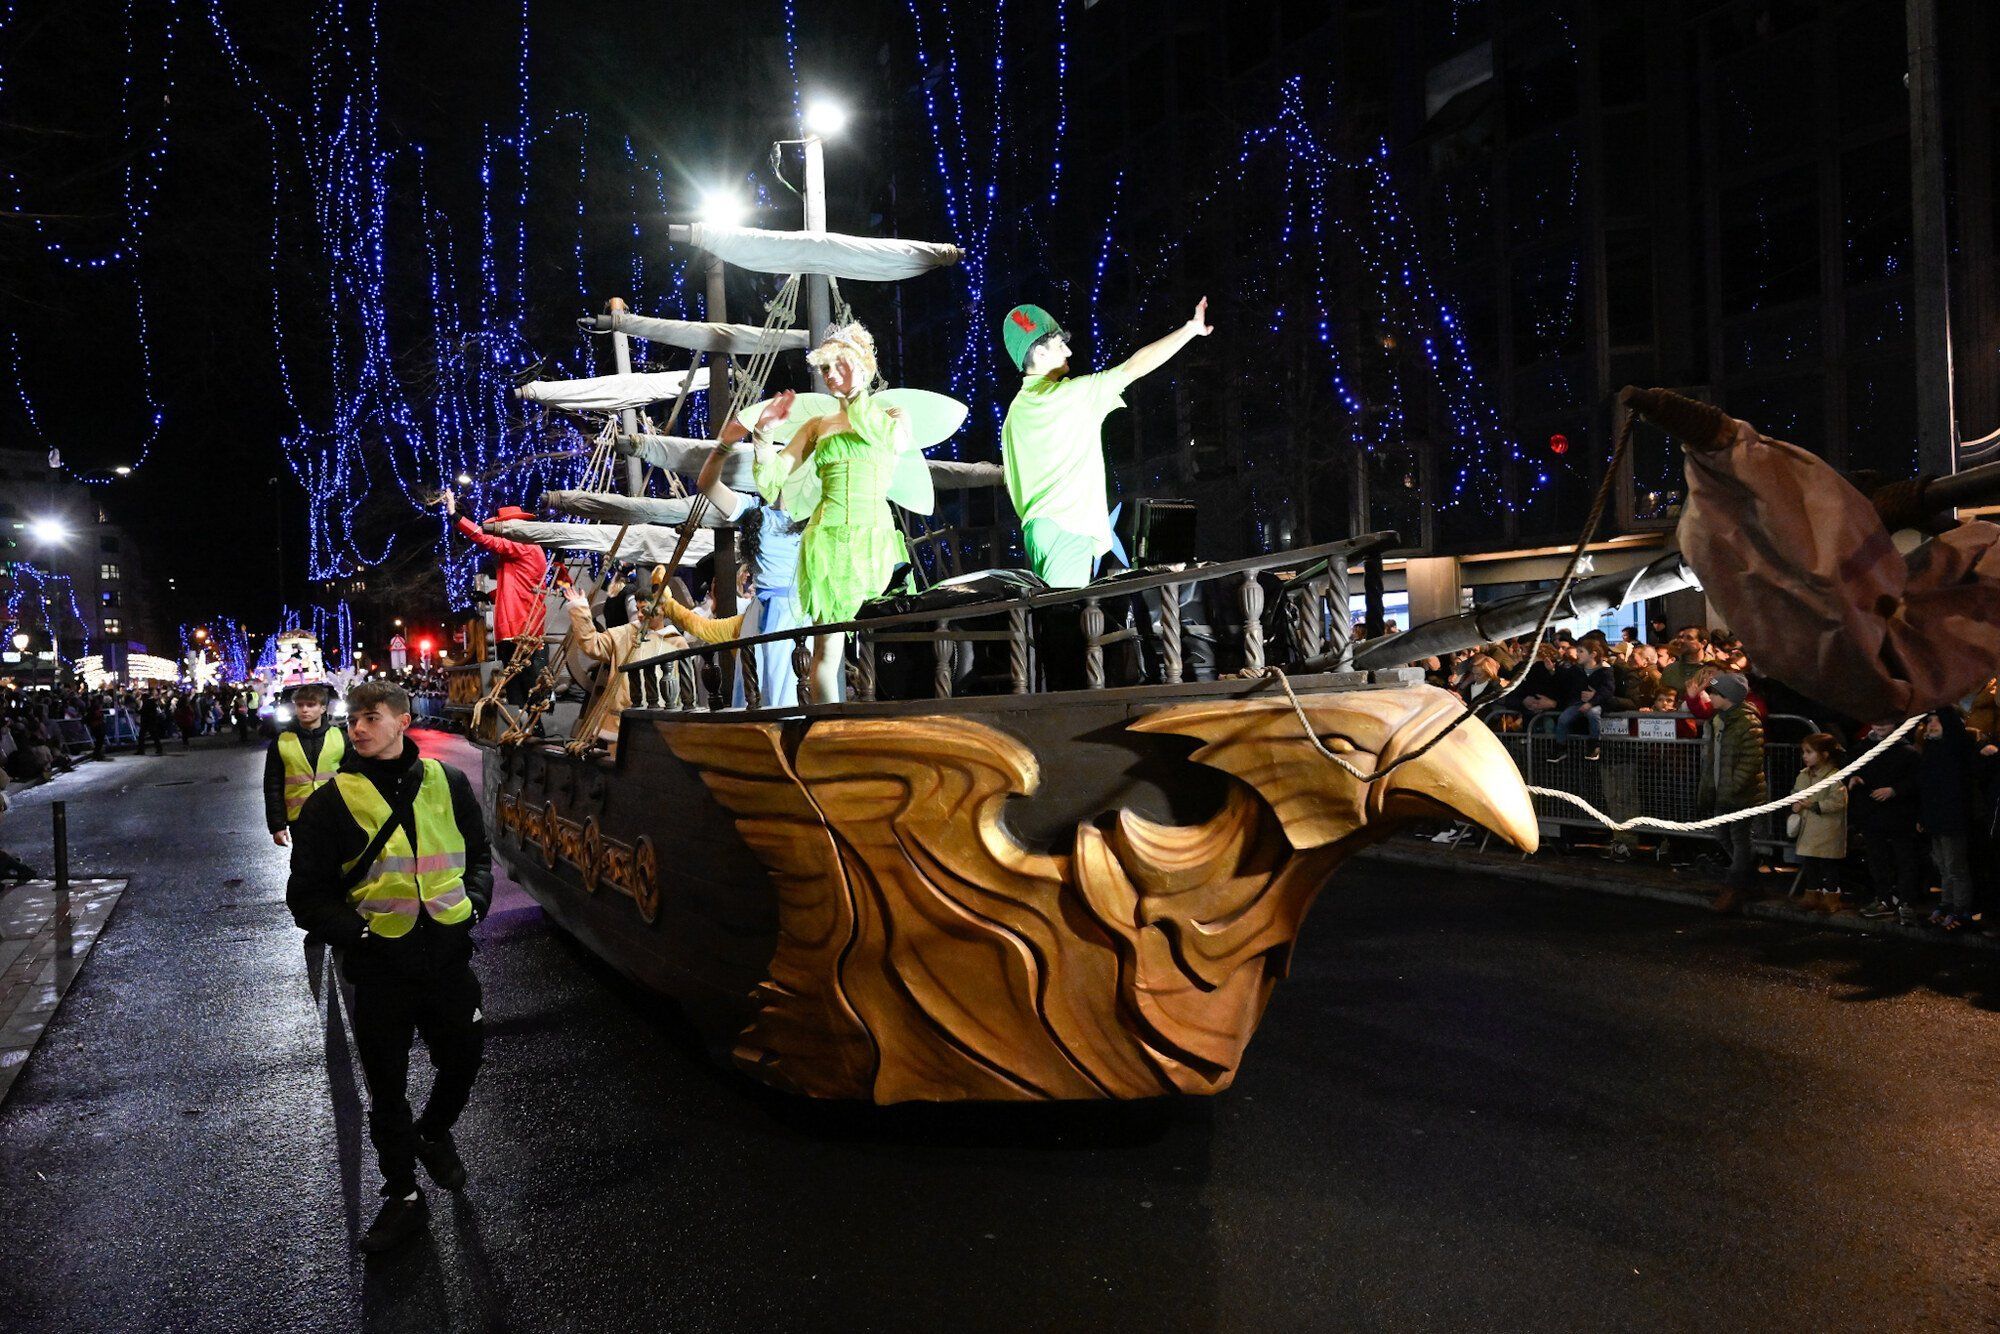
1315 620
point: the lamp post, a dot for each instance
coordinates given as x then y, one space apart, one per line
823 120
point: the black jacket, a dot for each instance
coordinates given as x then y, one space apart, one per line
1896 769
274 771
325 837
1947 778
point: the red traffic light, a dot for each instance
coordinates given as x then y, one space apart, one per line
424 644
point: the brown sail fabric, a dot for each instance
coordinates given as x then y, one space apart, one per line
1800 565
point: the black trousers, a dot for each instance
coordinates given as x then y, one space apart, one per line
1896 865
388 1014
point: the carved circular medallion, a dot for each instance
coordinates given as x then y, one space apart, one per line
646 879
593 855
551 836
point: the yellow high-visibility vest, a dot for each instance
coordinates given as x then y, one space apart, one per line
405 880
302 779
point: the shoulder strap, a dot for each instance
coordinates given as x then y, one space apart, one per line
401 809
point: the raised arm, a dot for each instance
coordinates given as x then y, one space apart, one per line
775 466
1155 355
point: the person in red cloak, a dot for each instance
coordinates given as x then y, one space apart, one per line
519 608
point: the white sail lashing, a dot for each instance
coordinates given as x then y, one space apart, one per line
612 393
736 340
648 545
860 258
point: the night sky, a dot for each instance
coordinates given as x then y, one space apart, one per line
202 503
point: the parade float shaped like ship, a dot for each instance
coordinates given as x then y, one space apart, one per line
1074 868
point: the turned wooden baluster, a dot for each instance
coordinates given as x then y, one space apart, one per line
1093 648
1250 597
942 647
1302 614
1170 633
1017 649
669 681
864 661
753 689
802 668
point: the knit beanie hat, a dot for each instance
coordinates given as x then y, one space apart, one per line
1730 686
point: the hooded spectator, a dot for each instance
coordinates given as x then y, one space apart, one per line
1732 779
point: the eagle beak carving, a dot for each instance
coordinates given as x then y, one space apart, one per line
1468 774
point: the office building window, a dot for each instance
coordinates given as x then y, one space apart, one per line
110 596
112 626
107 572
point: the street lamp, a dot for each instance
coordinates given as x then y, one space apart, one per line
722 208
21 639
825 118
122 470
50 531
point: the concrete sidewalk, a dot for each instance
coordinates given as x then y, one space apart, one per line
44 938
1643 878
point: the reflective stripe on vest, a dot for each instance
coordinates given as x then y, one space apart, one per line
302 779
404 880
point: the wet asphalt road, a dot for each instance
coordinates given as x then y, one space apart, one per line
1471 1107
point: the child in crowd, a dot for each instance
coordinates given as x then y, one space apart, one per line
1819 824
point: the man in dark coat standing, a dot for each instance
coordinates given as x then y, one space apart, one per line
390 865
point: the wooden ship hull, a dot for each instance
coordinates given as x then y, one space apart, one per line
1082 895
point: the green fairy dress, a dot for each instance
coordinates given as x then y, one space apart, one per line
850 546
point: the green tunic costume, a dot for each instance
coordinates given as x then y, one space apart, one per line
1053 447
850 546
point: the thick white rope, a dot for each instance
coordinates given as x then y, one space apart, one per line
1717 821
1636 822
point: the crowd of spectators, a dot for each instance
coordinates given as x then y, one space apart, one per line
44 731
1912 835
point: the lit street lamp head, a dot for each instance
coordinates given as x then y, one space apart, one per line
825 118
722 208
51 531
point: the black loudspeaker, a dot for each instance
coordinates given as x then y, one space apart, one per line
1157 531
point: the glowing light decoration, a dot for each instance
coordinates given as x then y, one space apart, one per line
43 600
140 179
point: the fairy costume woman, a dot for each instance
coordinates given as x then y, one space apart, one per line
851 545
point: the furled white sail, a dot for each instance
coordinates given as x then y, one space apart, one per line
677 453
648 544
610 393
669 512
862 258
738 340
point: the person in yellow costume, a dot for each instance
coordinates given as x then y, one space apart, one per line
850 545
1052 445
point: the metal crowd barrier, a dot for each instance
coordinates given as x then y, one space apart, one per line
1658 776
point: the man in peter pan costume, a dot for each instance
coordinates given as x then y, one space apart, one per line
1052 446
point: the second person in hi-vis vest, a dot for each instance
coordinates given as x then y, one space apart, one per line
303 758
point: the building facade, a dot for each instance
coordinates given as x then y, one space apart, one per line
72 576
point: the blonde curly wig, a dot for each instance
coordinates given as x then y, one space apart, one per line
849 340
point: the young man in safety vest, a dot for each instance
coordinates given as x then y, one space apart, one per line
1052 442
303 758
390 864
